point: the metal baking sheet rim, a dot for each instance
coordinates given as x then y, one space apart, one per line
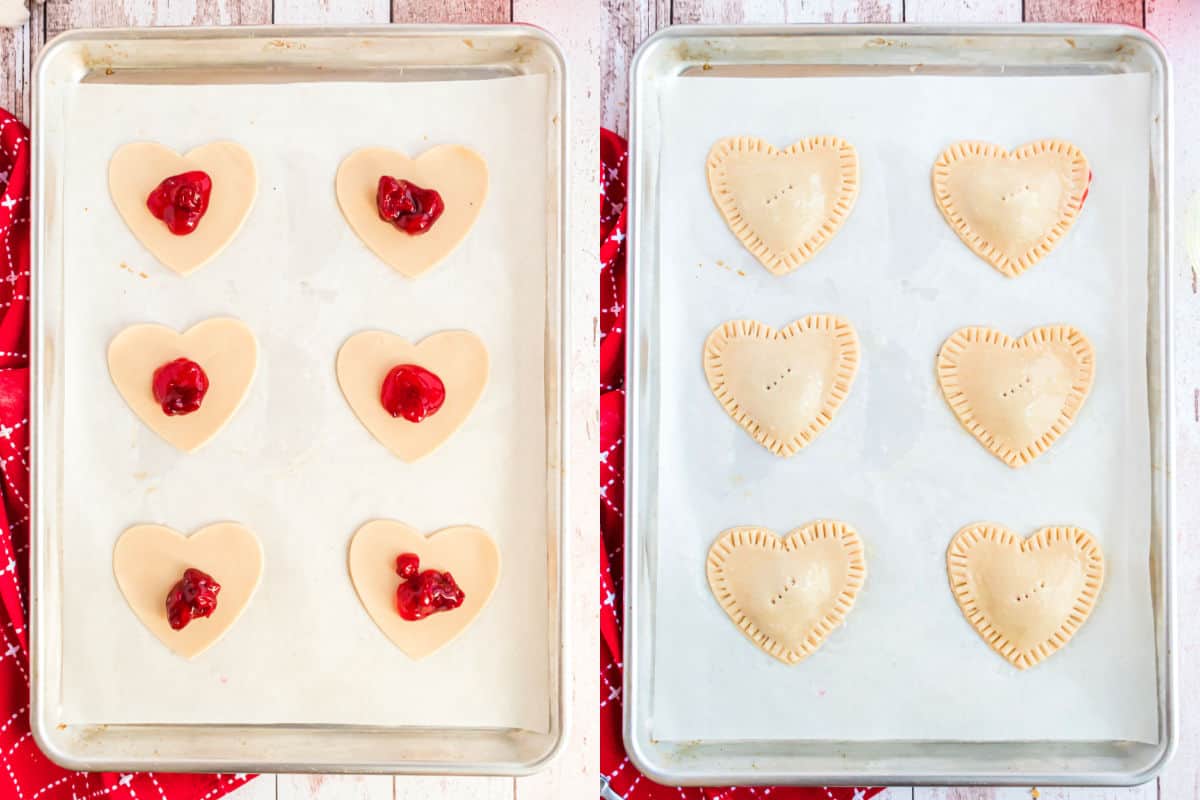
308 748
697 763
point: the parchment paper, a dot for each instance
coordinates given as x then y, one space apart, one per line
895 462
294 464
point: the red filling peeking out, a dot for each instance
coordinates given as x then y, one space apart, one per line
412 392
1086 189
181 200
407 206
179 386
195 595
424 593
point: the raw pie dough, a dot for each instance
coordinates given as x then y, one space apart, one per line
1025 597
1011 209
138 168
457 173
149 559
224 347
787 594
457 357
784 205
782 386
1016 397
466 552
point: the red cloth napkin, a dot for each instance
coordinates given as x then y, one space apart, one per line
617 773
27 773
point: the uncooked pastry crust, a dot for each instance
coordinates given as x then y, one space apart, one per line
1011 209
783 387
1025 597
458 174
457 357
787 594
466 552
138 168
784 205
149 559
1016 397
224 347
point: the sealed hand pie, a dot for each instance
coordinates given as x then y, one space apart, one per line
1016 397
784 205
782 386
787 594
1025 597
1011 209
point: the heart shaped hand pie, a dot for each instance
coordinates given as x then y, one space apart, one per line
787 594
459 361
149 559
1011 209
784 205
1025 597
138 168
457 173
782 386
466 552
225 348
1016 397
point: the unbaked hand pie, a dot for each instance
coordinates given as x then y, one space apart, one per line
184 386
188 590
422 591
1011 209
412 397
784 205
783 387
1025 597
412 212
183 209
787 594
1016 397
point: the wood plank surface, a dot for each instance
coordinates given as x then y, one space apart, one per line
330 12
327 787
457 11
777 11
1129 12
64 15
625 23
962 10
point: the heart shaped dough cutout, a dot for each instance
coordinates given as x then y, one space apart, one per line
1011 209
1016 397
466 552
457 357
784 205
458 174
224 347
148 560
136 170
783 387
787 594
1025 597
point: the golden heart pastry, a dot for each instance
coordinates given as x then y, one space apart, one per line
226 350
466 552
1011 209
784 205
458 174
1016 397
136 170
1025 597
782 386
148 560
787 594
457 358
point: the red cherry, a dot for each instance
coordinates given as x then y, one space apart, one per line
407 206
181 201
408 565
194 595
179 386
412 392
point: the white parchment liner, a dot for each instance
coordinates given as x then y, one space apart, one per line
294 464
895 462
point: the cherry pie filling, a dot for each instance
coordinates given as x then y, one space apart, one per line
194 595
179 386
412 392
407 206
181 201
423 593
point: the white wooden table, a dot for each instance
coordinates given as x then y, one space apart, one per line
576 24
1177 24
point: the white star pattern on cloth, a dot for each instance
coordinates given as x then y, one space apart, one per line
618 237
5 431
240 776
126 779
11 565
610 598
12 650
9 202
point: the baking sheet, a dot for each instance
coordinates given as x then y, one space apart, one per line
294 464
895 462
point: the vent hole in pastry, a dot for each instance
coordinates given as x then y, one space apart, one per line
775 383
779 195
788 586
1012 392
